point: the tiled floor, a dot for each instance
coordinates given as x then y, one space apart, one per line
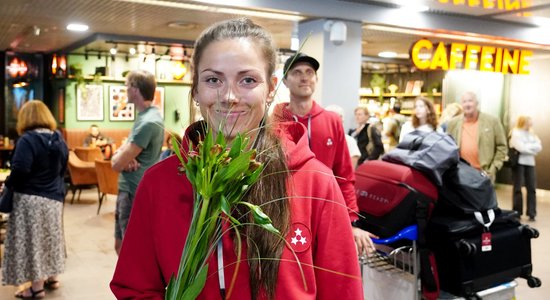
91 258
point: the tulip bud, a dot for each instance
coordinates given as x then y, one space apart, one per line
254 165
216 149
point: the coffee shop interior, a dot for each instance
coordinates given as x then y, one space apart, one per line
74 55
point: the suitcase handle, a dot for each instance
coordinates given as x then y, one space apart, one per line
409 233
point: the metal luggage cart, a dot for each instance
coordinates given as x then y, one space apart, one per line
393 273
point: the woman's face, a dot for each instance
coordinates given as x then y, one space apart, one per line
528 123
232 86
361 117
421 111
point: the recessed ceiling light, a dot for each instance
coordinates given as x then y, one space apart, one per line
182 25
77 27
387 54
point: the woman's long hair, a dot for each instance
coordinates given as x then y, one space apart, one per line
431 117
272 185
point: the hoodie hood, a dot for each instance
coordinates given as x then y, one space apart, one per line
292 134
282 113
56 148
49 140
295 143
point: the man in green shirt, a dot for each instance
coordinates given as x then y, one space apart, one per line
142 149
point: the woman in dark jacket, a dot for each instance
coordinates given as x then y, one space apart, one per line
367 135
34 247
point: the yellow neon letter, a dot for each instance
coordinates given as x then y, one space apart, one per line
440 58
486 58
511 4
509 61
498 60
415 50
455 56
473 3
524 62
472 52
488 4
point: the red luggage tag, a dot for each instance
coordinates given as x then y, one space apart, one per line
486 242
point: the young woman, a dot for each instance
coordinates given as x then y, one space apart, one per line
524 140
367 135
424 118
35 248
233 63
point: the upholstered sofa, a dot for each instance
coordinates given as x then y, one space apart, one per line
75 137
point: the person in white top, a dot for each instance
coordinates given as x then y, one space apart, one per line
424 118
524 140
354 151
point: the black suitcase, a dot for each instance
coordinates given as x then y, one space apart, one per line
465 268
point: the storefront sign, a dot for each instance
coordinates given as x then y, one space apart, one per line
429 56
506 5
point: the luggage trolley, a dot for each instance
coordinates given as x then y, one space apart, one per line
392 273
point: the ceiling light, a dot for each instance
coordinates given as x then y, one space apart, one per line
183 25
36 30
387 54
132 51
113 51
77 27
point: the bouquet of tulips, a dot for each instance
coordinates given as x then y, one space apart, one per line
221 175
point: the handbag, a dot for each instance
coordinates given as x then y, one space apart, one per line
6 200
513 158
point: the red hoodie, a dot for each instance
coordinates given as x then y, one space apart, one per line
327 140
320 235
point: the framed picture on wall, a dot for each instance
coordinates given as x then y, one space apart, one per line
89 103
158 101
119 108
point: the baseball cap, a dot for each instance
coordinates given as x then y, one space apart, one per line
301 57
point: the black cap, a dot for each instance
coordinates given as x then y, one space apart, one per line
300 57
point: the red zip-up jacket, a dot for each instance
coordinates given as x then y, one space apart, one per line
327 140
320 235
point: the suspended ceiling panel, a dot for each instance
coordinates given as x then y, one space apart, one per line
39 25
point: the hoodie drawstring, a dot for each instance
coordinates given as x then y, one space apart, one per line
308 128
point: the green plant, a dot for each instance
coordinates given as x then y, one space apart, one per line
77 73
220 176
379 81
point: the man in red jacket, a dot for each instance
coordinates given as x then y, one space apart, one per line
325 133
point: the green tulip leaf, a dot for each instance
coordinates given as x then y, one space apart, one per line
193 290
